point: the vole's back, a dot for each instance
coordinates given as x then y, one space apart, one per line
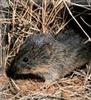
43 56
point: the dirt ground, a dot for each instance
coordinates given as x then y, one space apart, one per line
76 87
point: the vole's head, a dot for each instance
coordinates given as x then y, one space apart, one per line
32 58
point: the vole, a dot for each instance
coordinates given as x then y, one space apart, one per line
45 57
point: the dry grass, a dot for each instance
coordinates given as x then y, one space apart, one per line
36 16
27 17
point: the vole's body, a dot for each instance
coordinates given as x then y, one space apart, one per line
43 56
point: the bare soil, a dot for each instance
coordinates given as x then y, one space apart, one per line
69 88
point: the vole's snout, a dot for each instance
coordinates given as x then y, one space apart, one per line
10 70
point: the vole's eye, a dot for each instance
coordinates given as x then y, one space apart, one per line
25 59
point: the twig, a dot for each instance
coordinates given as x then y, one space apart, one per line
85 22
14 88
79 5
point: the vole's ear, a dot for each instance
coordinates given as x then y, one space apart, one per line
41 39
